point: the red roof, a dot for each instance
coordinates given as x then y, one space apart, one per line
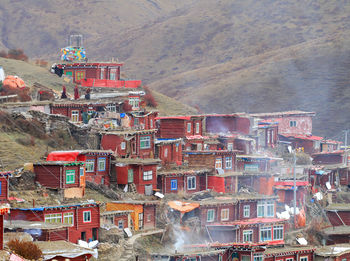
197 137
329 153
88 64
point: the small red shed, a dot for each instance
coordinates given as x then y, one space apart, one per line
129 143
116 218
169 151
4 185
67 176
141 173
173 127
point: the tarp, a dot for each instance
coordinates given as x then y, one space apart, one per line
183 207
2 74
14 82
65 156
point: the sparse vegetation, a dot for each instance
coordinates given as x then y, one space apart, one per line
149 98
26 249
16 54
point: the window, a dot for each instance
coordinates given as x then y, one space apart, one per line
75 116
148 175
266 209
0 187
101 164
191 183
151 123
68 218
189 127
247 235
81 172
225 213
70 176
229 146
199 146
246 211
218 163
166 152
292 123
210 215
173 184
140 220
145 142
90 165
251 167
290 259
344 259
134 102
197 127
121 224
112 74
79 75
258 257
149 217
228 162
303 258
136 121
87 216
111 107
122 145
53 218
265 234
278 232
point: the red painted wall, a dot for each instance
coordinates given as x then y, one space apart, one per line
217 216
4 188
149 216
98 175
303 124
253 209
171 128
334 219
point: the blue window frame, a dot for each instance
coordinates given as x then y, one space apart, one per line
0 187
173 184
101 164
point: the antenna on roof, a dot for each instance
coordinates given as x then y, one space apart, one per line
75 40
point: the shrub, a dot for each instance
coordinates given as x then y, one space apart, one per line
17 54
127 107
25 141
26 249
149 98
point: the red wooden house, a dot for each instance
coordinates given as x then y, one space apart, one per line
267 134
333 177
183 180
306 143
143 213
129 143
228 123
138 173
289 122
198 142
330 145
66 176
334 157
193 254
75 110
169 151
83 218
284 189
179 126
338 214
117 218
101 74
97 163
143 120
4 185
238 142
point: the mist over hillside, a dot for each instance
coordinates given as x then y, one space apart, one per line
222 56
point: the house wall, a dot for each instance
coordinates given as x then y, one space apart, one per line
243 125
48 175
263 165
4 188
203 210
263 184
57 235
216 183
165 182
286 256
255 230
327 159
113 142
149 212
145 152
219 124
171 128
303 124
137 209
231 184
337 239
253 209
124 218
138 177
99 176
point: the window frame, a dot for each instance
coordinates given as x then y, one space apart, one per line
218 162
197 127
145 142
304 258
265 229
89 162
189 127
278 229
68 215
70 174
123 145
228 162
147 175
75 114
173 182
230 146
211 217
99 160
226 215
246 209
292 123
193 182
84 217
246 233
120 221
53 216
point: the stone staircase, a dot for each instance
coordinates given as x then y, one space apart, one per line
128 254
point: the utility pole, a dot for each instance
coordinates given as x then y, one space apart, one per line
346 147
294 188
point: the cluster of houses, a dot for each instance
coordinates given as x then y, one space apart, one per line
227 159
